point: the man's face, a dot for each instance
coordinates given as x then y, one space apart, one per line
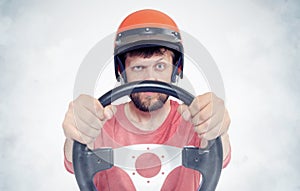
157 67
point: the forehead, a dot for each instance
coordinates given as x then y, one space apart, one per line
166 56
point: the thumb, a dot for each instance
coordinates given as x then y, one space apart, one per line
184 111
110 111
204 143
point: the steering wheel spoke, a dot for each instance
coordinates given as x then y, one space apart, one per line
159 159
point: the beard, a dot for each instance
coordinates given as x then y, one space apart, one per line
149 104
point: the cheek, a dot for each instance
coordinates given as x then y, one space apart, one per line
166 76
131 77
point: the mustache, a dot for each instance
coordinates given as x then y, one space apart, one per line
149 104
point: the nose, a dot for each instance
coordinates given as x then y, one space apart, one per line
149 74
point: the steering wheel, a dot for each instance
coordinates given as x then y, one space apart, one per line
207 161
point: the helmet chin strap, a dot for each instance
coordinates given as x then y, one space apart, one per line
177 72
121 71
121 79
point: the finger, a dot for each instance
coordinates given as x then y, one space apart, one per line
71 132
69 125
87 128
208 124
211 115
91 104
86 139
86 101
217 126
76 135
204 143
203 127
226 121
184 111
202 115
90 146
213 133
83 114
72 125
199 103
89 121
109 111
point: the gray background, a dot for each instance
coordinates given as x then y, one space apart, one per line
254 43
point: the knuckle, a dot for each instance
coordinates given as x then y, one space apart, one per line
69 114
81 96
96 104
201 129
78 99
198 99
227 120
197 104
90 118
220 102
206 124
67 128
71 105
204 116
216 133
210 95
198 129
218 128
64 124
96 125
195 121
226 117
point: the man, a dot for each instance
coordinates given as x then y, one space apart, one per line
147 47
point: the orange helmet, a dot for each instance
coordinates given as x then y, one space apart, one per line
148 28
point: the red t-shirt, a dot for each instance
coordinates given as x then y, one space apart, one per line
119 132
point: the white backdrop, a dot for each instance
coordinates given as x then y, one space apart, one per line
254 43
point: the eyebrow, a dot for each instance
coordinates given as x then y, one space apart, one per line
159 59
156 61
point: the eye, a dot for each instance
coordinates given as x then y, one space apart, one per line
137 68
160 66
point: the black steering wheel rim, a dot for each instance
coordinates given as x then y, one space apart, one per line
207 161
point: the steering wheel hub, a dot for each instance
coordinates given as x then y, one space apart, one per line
148 165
